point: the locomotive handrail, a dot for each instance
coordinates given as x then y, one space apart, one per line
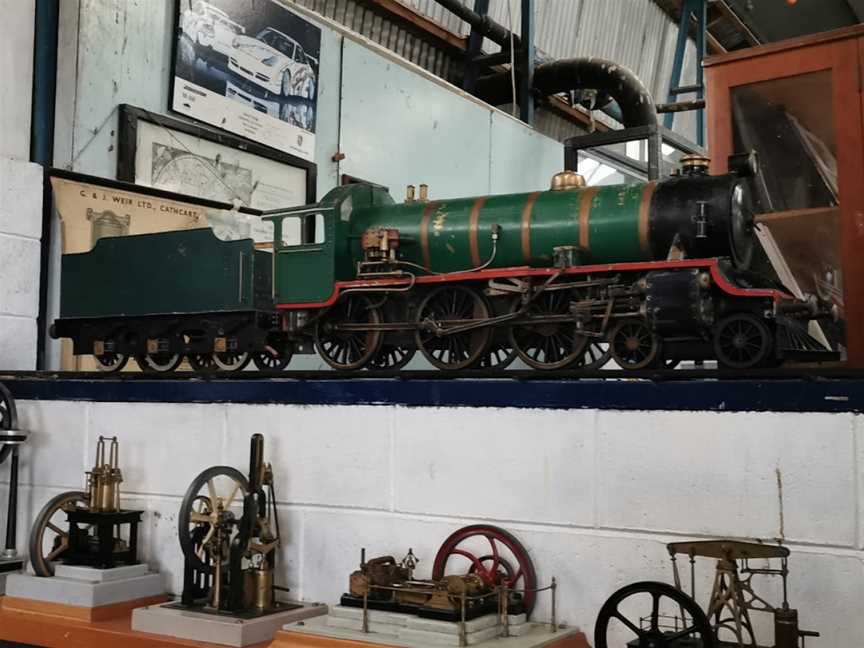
274 214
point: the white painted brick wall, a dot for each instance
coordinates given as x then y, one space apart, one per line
594 496
20 230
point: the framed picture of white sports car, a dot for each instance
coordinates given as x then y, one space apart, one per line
249 67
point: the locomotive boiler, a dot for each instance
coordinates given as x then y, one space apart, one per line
570 224
647 274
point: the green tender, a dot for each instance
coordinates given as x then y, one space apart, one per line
182 272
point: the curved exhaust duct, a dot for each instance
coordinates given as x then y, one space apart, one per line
636 104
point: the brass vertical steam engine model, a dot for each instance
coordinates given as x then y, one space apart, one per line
94 518
230 560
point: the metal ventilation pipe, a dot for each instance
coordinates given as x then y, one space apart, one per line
636 104
483 24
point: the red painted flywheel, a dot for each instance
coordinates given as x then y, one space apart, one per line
493 554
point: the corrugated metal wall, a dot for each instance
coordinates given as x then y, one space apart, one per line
634 33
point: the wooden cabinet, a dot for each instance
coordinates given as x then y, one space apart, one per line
798 103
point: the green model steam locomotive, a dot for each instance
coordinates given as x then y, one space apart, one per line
648 274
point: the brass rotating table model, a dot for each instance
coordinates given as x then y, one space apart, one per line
94 519
11 438
670 618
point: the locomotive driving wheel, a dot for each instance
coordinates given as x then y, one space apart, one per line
597 355
493 554
634 345
446 308
548 345
659 615
349 348
499 356
208 502
392 357
48 540
742 341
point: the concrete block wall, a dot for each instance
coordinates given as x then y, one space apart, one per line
20 191
593 495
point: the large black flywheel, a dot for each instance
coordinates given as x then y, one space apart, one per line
552 340
345 337
742 341
634 345
652 615
440 336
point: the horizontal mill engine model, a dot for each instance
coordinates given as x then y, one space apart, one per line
483 581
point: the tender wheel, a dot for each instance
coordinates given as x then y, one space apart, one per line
111 362
499 356
343 347
231 361
159 362
548 345
634 345
201 362
742 341
217 487
273 359
48 540
596 356
653 613
492 553
443 309
392 357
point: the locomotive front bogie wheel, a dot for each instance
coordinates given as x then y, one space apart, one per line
273 358
492 553
657 614
348 349
159 362
111 362
742 341
552 344
48 530
634 345
446 308
218 487
8 410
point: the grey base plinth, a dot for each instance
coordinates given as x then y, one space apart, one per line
87 587
225 630
409 630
